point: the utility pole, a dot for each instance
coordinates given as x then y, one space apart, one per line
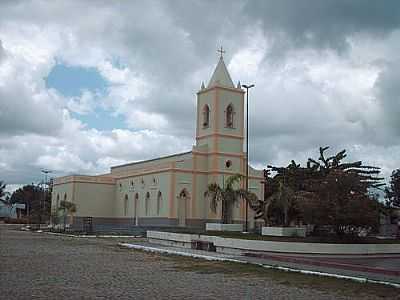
247 87
45 187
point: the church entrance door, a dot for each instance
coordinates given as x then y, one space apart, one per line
182 203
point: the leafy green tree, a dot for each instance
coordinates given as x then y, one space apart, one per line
3 193
227 195
392 193
37 201
343 202
325 192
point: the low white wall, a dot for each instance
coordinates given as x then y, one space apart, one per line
172 236
316 248
237 246
284 231
224 227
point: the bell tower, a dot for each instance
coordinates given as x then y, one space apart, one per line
220 113
218 153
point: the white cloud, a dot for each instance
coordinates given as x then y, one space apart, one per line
84 104
314 86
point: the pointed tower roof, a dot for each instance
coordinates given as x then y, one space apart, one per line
221 75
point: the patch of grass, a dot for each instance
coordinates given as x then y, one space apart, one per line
237 270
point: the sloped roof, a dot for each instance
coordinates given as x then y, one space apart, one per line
221 76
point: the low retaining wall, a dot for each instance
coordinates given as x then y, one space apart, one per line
171 239
284 231
240 246
224 227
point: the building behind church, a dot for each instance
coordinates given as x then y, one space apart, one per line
169 191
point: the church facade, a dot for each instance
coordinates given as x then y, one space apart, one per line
169 191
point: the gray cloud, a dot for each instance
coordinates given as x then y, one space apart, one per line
388 92
2 51
21 114
323 24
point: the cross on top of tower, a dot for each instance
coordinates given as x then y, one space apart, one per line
221 52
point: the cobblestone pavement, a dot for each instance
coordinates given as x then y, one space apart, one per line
41 266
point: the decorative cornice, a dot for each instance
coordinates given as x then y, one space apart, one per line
229 154
224 135
84 179
240 91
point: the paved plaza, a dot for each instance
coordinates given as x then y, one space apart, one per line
41 266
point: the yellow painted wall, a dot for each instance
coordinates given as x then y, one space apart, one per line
94 200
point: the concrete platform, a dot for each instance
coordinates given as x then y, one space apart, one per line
241 246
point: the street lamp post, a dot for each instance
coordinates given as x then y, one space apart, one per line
43 203
247 87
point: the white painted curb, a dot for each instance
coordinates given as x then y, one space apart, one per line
89 236
209 257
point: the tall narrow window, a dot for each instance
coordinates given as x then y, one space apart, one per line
147 203
206 116
159 201
229 116
126 205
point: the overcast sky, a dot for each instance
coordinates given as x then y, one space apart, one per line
85 85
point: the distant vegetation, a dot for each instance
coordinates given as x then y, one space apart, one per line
392 192
332 195
37 200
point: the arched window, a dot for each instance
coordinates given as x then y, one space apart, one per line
65 196
206 116
58 201
159 202
229 116
146 203
126 205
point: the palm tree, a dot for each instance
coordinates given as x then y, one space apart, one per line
68 208
227 195
3 192
4 195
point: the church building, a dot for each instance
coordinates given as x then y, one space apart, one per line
169 190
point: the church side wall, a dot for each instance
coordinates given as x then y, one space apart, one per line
129 170
94 199
202 205
143 199
60 193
